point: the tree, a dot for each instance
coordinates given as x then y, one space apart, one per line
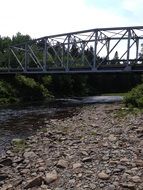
74 49
116 56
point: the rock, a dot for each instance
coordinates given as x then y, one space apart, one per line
62 164
111 187
18 141
34 182
129 186
136 179
30 154
87 159
3 176
112 138
139 163
51 177
25 171
18 160
6 162
76 165
103 175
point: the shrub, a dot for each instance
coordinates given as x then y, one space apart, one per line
7 93
134 98
30 90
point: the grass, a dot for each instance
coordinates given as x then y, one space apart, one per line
115 94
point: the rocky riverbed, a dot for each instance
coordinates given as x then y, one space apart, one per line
99 148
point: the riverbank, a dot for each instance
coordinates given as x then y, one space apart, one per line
98 148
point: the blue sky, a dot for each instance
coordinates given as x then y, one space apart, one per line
44 17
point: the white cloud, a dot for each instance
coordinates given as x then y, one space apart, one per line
44 17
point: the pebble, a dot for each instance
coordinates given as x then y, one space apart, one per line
103 175
51 177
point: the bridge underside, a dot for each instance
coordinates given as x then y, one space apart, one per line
88 51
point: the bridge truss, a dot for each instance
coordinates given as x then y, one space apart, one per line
97 50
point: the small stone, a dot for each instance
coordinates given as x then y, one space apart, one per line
124 160
76 165
112 138
129 186
34 182
24 171
41 169
87 159
3 177
18 141
51 177
136 179
62 164
6 162
103 175
29 155
139 163
111 187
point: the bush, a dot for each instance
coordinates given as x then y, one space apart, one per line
30 90
7 93
134 98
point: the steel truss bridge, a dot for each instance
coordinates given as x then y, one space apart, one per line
90 51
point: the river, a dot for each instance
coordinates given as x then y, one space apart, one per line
22 121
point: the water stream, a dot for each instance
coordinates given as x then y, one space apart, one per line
22 121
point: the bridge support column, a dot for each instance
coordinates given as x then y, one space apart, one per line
137 48
26 57
45 55
108 49
95 51
68 52
128 47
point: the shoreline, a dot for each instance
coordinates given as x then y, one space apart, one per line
99 148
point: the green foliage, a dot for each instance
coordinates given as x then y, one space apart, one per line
30 90
7 93
20 38
134 98
47 81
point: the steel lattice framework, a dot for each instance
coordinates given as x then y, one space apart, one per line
97 50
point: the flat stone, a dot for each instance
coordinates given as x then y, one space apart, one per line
136 179
112 138
76 165
17 141
103 175
51 177
129 186
6 162
62 164
34 182
139 163
3 177
87 159
30 154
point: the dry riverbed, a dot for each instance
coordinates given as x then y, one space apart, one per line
97 148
